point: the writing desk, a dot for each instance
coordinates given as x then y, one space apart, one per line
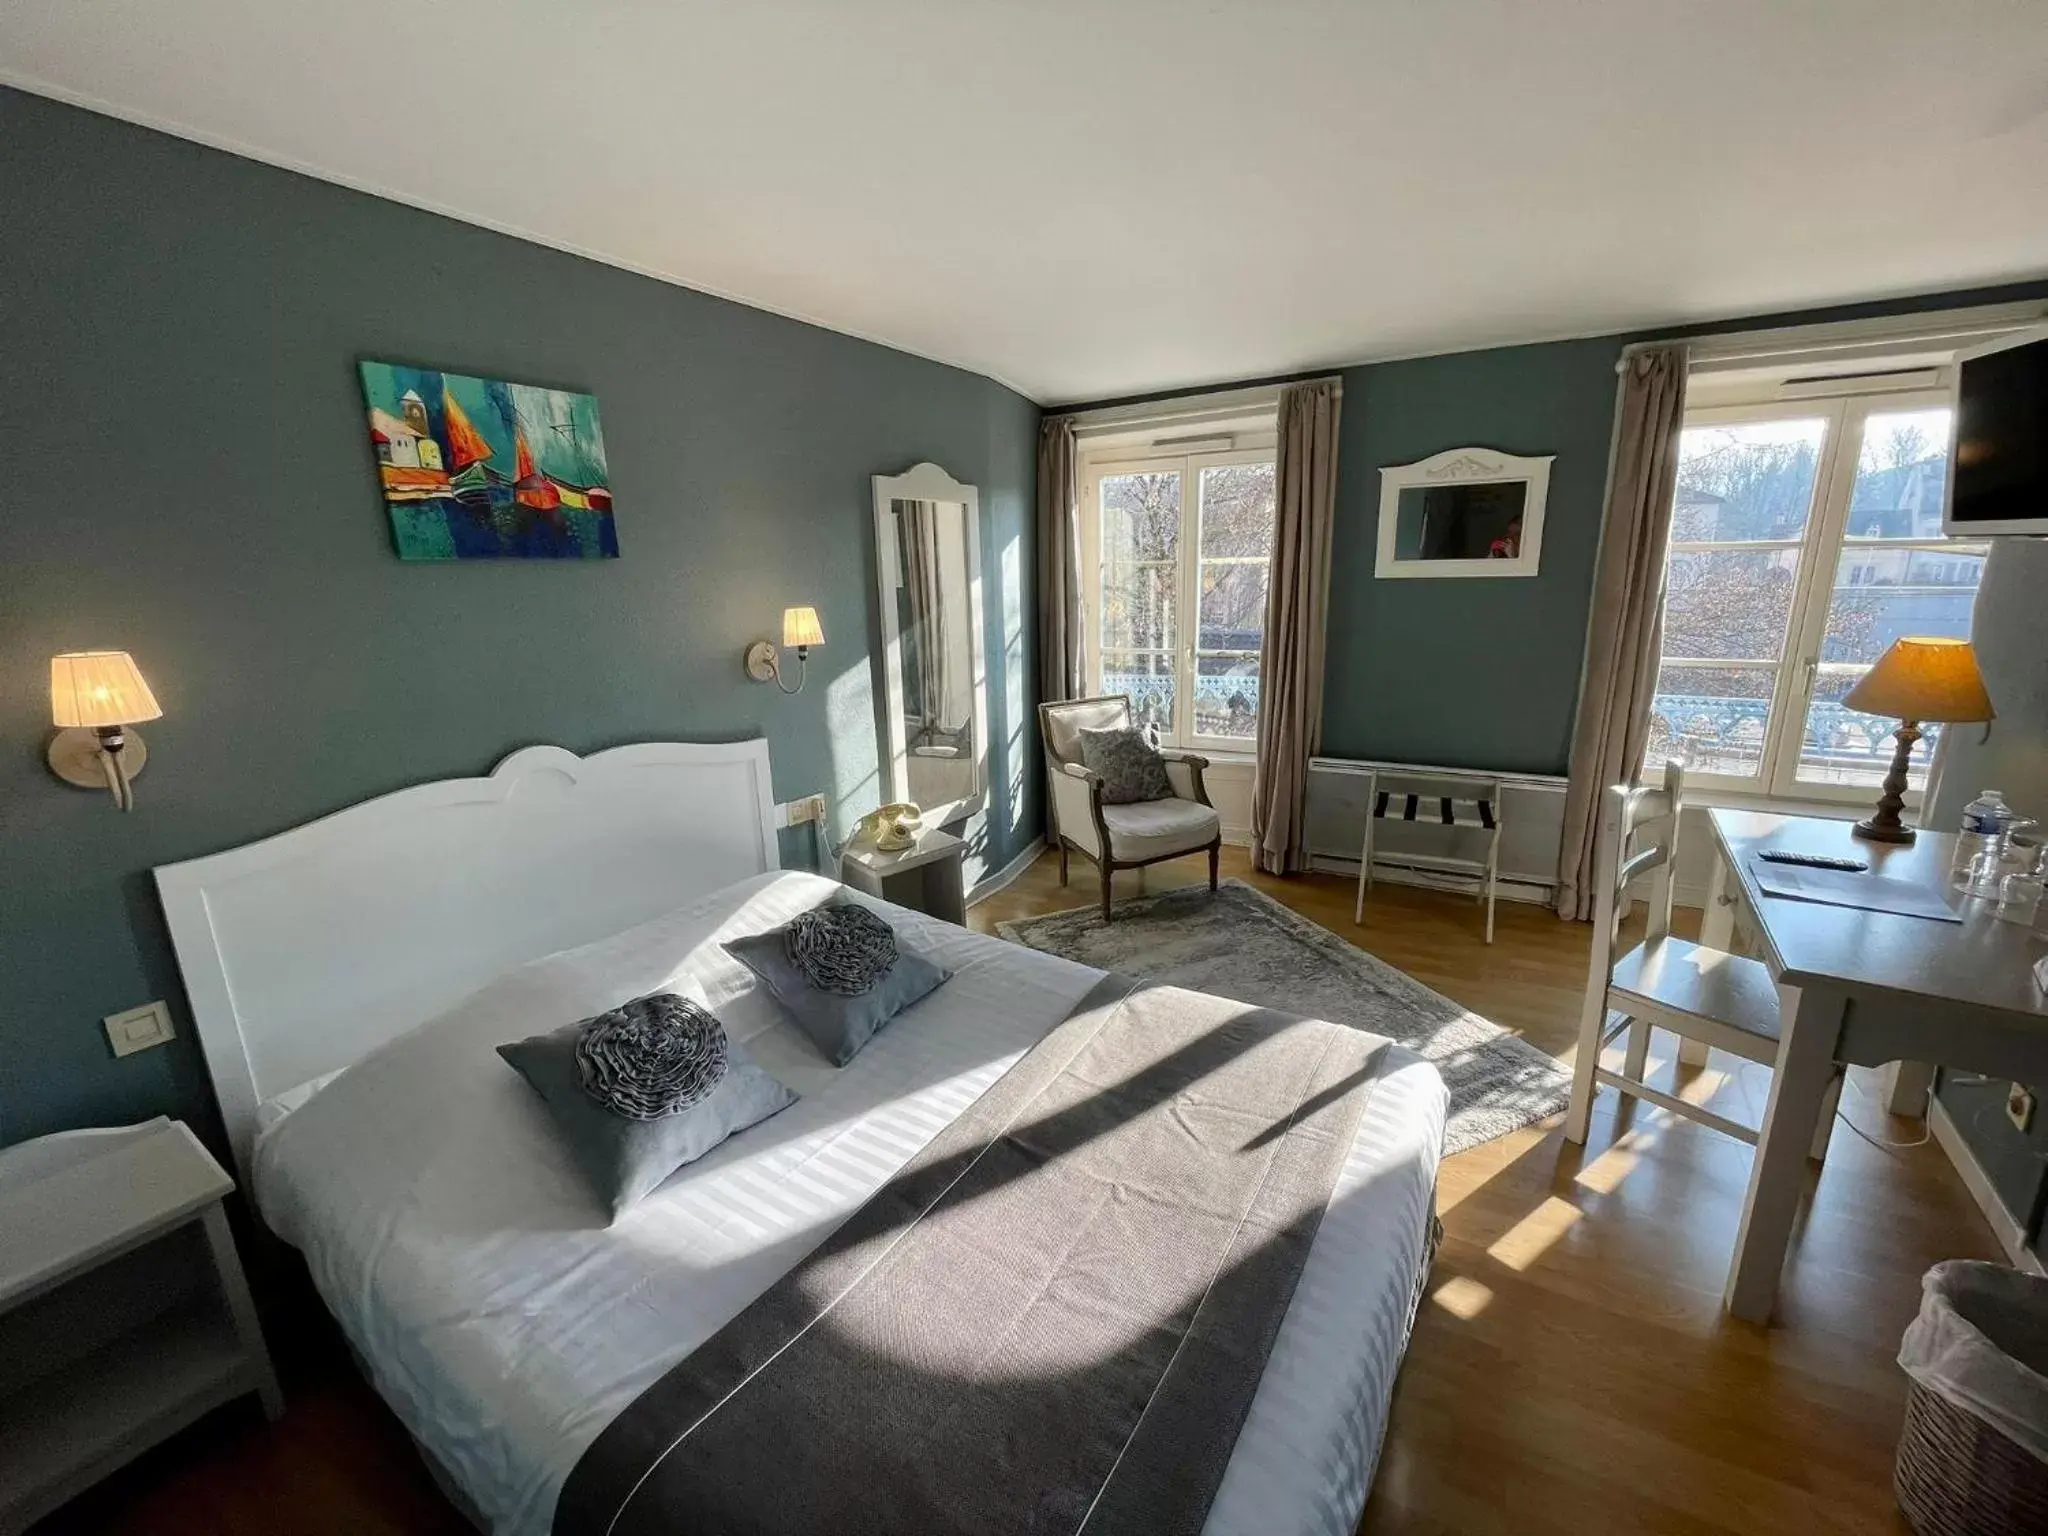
1865 988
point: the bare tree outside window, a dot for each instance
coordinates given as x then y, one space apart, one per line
1752 550
1202 523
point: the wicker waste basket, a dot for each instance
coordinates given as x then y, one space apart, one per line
1973 1457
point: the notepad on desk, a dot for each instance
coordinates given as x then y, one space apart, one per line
1846 888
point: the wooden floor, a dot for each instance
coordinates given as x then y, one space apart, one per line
1571 1371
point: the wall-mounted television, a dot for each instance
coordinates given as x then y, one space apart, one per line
1999 483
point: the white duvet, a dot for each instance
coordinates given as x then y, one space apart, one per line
506 1324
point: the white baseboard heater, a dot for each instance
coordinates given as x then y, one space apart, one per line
1531 829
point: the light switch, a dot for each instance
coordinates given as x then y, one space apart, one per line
139 1028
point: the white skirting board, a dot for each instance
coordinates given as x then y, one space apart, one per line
1531 811
1978 1183
989 884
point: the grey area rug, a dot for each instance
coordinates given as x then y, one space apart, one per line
1242 944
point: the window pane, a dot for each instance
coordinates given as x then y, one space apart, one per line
1233 606
1882 594
1237 510
1227 696
1901 472
1712 719
1752 480
1846 746
1141 515
1729 604
1140 576
1137 606
1147 676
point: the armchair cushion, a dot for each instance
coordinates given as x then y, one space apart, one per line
1131 768
1065 721
1152 829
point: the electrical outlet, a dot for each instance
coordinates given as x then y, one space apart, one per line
2019 1105
138 1029
810 808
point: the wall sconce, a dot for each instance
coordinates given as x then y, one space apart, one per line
94 696
800 631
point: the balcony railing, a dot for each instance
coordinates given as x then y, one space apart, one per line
1224 706
1706 729
1700 724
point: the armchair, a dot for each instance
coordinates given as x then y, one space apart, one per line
1120 836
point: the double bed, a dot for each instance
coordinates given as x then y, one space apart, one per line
351 980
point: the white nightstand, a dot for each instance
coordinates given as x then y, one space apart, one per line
124 1314
924 877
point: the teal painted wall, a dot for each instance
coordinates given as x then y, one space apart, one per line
188 480
1472 673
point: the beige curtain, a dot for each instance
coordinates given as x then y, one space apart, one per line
1297 604
1061 633
1619 675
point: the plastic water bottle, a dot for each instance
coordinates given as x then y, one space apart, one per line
1984 819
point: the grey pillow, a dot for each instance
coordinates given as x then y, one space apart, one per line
625 1151
1130 767
862 994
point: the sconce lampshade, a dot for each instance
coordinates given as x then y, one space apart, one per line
1924 678
99 688
800 627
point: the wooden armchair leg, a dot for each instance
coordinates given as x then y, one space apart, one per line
1215 855
1106 877
1063 861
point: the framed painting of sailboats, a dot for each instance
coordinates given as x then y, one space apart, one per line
482 469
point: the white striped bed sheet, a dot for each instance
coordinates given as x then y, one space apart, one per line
506 1326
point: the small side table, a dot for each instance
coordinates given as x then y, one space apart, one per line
924 877
124 1314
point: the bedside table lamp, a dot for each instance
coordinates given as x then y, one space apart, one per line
800 631
1920 679
94 696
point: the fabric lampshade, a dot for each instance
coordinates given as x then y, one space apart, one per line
99 688
1924 678
800 627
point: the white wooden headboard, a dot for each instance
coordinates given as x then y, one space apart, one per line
306 950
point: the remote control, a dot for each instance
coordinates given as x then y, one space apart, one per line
1810 860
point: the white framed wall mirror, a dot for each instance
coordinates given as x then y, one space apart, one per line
934 678
1463 512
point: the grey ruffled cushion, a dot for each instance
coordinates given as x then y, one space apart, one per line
840 947
1130 767
838 1023
624 1155
652 1057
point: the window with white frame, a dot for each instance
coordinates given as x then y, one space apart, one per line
1175 551
1806 538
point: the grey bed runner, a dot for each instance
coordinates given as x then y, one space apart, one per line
1052 1320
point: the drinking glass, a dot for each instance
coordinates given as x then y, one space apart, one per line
2019 890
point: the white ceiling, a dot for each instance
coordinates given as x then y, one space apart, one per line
1088 199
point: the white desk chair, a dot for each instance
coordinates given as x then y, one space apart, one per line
1724 1001
1420 799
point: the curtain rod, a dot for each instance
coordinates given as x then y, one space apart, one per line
1790 344
1187 407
